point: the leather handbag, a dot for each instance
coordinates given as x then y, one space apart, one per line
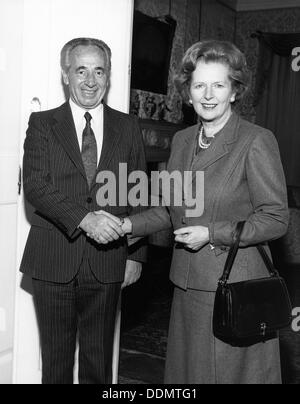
250 309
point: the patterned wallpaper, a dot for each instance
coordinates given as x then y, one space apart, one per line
186 13
217 21
190 27
281 21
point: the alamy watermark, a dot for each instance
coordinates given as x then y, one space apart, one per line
166 189
296 61
296 319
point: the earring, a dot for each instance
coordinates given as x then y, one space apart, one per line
191 102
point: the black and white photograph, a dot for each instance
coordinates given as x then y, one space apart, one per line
150 194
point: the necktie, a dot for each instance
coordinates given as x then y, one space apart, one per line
89 150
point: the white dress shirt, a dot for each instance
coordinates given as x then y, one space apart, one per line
96 124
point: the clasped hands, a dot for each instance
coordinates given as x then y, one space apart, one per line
103 227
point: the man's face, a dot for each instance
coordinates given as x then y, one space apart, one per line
87 77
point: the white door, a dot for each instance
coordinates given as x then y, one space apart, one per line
10 84
47 25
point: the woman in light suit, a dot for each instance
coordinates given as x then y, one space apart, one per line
244 180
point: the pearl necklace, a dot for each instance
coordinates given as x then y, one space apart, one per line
202 143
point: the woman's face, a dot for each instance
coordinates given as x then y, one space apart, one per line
211 91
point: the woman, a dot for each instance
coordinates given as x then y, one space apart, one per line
244 180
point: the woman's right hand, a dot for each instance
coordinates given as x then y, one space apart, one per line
125 223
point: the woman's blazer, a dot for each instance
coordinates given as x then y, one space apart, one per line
243 180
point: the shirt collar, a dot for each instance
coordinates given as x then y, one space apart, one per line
79 112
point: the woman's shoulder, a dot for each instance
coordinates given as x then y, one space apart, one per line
185 134
260 137
247 127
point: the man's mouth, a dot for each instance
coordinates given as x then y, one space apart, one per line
89 92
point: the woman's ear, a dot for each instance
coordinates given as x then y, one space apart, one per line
233 98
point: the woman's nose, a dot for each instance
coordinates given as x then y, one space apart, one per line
208 93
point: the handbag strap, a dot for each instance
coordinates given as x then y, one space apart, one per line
233 252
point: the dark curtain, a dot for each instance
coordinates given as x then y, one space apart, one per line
277 98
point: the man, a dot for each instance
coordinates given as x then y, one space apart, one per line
77 275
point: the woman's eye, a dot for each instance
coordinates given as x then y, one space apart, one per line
219 86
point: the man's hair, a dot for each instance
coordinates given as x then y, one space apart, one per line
69 46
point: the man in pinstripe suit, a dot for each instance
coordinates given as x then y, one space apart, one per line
78 259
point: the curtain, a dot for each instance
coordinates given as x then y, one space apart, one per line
277 98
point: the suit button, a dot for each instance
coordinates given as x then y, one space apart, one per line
89 200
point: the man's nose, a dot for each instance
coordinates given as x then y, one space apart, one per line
91 80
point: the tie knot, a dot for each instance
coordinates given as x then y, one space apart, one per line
88 117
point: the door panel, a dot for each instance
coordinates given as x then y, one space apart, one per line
48 24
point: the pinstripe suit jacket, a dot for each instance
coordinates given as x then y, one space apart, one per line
244 180
55 184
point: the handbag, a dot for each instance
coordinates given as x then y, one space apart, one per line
250 309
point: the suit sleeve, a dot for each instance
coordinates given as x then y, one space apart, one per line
38 185
152 220
268 195
137 251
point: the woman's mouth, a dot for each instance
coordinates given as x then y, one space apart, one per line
209 106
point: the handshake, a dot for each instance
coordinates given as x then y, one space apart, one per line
105 228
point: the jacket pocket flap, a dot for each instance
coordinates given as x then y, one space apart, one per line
40 221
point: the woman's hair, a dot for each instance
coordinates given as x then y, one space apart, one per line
214 51
69 46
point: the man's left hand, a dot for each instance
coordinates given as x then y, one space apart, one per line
132 273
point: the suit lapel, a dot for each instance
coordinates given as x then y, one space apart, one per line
220 146
64 130
111 137
215 152
189 148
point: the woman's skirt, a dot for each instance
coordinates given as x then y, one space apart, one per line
195 356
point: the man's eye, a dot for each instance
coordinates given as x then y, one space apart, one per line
100 73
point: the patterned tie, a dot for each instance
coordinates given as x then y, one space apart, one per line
89 150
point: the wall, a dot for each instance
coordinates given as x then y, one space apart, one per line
217 21
187 15
10 105
281 21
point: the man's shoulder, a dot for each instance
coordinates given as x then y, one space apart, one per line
48 114
120 116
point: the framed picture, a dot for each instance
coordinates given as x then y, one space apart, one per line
158 138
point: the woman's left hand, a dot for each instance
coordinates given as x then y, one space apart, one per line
193 238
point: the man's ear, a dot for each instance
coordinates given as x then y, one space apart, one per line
65 77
